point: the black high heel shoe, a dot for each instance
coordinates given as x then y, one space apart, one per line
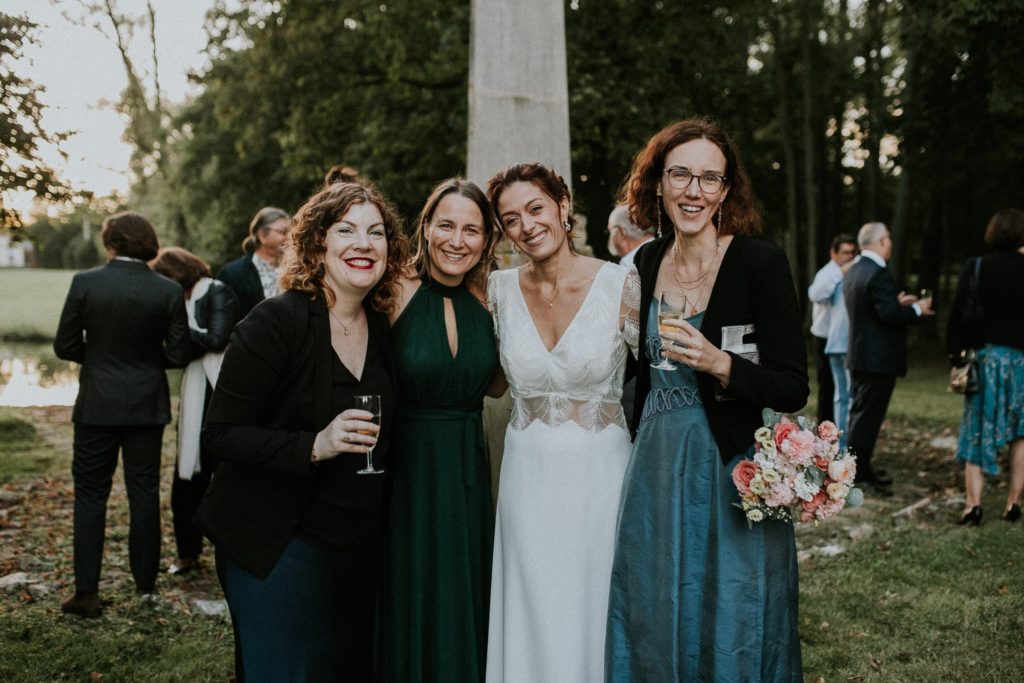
1012 513
972 517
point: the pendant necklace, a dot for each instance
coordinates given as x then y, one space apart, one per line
344 327
551 302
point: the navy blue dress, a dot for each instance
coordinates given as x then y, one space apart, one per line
696 595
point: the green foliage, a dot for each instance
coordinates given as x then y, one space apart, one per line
21 131
379 87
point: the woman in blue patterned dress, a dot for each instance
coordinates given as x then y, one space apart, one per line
994 415
696 594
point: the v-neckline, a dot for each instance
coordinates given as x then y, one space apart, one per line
565 332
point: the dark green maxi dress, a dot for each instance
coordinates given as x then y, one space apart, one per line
441 525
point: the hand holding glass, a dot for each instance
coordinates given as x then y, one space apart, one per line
670 307
370 404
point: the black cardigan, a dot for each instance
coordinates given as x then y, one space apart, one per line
754 285
1001 291
272 398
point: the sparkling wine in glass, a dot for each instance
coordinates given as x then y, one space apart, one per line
370 404
671 306
925 294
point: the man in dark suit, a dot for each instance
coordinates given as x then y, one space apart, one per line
124 324
253 276
877 354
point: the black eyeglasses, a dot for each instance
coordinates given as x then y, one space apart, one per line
680 178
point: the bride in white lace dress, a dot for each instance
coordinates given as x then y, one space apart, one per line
564 324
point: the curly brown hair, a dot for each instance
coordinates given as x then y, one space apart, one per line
303 267
740 213
477 276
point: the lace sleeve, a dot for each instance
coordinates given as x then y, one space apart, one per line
629 311
492 302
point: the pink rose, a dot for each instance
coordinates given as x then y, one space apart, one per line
782 430
843 470
821 463
828 431
811 505
742 474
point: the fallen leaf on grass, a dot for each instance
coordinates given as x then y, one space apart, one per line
858 677
1003 590
903 656
884 547
95 676
970 551
876 664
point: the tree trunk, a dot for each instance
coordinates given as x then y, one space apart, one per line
810 130
788 153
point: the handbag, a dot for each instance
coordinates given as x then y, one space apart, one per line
963 377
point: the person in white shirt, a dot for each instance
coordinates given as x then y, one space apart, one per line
624 238
826 283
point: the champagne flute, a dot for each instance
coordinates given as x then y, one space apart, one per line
370 404
925 294
671 306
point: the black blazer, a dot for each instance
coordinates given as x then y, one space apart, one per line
1001 290
216 312
272 397
754 286
244 280
878 321
124 324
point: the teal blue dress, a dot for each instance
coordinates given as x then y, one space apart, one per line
441 525
696 595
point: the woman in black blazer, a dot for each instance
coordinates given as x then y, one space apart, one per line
697 594
212 313
297 527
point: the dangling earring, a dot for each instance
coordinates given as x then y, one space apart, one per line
566 224
718 228
658 209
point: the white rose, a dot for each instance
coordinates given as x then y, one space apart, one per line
755 515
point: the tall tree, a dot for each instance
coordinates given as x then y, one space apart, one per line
22 134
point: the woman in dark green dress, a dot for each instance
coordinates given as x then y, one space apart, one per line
441 523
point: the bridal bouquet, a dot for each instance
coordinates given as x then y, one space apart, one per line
797 474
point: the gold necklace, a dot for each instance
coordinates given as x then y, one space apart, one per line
344 327
702 279
551 302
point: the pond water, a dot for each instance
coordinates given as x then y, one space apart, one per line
31 375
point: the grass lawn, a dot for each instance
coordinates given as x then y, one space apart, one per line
886 594
31 302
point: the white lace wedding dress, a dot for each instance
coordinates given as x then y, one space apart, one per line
566 450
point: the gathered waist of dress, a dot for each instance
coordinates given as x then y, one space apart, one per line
556 409
446 412
667 399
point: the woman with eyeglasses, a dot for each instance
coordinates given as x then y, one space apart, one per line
253 276
440 522
696 593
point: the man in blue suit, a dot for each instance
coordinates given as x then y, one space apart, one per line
877 353
124 324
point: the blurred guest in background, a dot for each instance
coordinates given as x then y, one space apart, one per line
877 353
253 276
212 313
830 327
624 238
124 324
994 415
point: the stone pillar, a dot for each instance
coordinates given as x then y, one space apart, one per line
518 112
